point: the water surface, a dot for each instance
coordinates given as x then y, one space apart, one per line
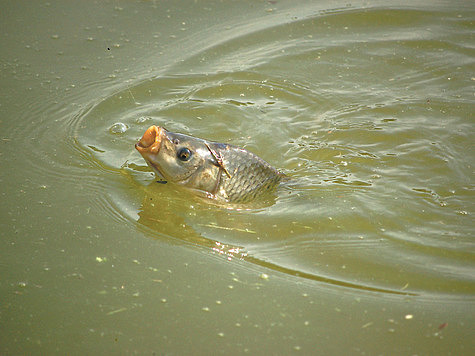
367 250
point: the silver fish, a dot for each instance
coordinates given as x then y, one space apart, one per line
216 170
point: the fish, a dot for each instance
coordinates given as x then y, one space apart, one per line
218 171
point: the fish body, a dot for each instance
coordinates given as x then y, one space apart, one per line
216 170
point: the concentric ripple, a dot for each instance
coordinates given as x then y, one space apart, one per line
364 209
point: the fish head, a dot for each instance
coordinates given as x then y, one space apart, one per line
178 158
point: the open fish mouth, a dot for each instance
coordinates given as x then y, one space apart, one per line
150 141
149 145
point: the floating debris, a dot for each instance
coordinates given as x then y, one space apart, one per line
116 311
264 276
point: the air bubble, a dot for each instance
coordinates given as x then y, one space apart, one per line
118 128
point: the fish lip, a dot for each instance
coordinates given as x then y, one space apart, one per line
151 140
149 145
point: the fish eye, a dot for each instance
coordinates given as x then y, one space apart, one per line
184 154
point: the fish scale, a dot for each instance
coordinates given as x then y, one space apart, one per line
250 175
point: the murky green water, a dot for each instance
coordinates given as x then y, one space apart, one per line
369 248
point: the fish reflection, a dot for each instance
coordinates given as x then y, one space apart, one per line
169 213
168 217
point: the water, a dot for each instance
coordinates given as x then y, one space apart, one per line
368 107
